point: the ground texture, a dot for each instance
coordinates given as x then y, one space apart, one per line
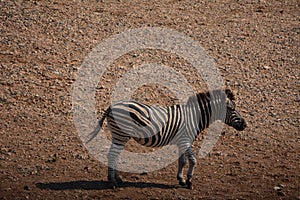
43 44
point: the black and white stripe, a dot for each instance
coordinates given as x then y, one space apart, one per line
155 126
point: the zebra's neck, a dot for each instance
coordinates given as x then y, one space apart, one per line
205 108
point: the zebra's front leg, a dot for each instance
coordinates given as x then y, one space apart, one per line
113 175
181 164
192 163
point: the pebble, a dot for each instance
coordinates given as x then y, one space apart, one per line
26 187
277 188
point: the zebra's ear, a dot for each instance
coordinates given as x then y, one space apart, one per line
229 94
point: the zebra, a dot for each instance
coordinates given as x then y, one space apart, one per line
157 126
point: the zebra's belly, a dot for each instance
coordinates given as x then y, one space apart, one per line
158 139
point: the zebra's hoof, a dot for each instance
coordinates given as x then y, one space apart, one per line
182 183
112 185
189 185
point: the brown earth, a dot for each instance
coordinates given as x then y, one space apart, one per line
43 44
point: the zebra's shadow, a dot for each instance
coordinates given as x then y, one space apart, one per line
98 185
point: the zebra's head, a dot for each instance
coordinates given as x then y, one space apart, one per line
233 117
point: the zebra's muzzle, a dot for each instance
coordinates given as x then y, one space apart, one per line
241 125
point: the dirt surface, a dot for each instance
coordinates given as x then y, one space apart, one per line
43 44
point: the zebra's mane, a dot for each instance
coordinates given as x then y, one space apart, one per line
215 93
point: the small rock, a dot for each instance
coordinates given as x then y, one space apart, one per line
78 156
53 158
26 187
277 188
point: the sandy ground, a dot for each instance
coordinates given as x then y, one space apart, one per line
43 44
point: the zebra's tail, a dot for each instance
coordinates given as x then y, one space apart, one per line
99 126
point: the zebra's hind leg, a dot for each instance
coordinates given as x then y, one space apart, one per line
192 163
113 175
181 164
